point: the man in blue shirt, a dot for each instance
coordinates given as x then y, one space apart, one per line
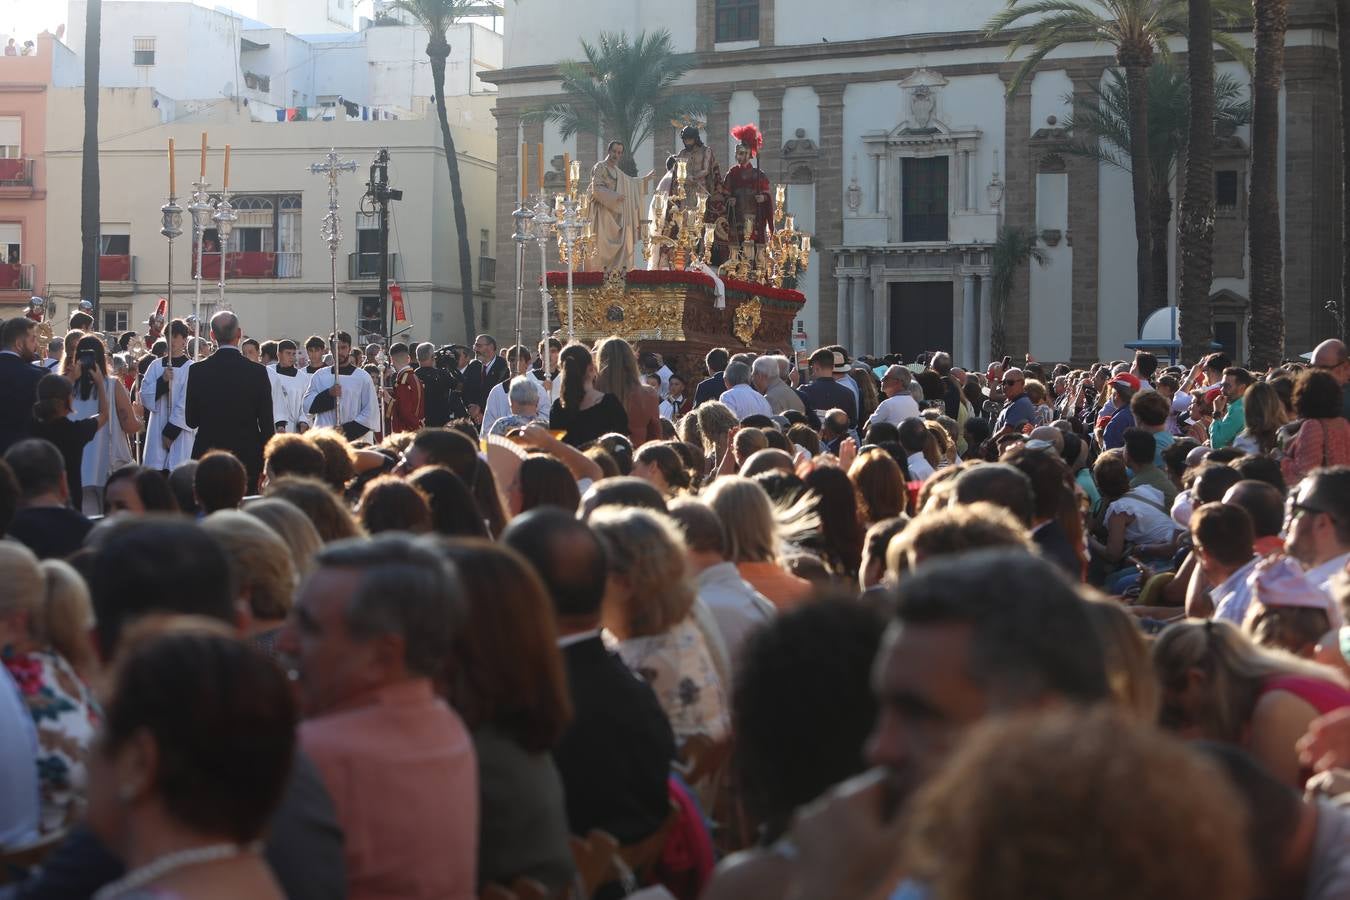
1123 388
823 393
1018 409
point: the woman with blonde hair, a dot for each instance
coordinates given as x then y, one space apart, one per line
1036 392
68 366
292 526
715 421
262 569
1129 672
331 517
45 620
648 608
942 446
1218 685
756 541
618 374
1264 415
658 463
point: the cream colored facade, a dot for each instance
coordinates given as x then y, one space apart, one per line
270 163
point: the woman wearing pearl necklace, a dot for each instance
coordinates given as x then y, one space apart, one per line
195 751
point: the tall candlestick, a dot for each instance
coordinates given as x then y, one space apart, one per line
539 164
524 170
203 172
173 192
575 171
225 183
779 194
567 174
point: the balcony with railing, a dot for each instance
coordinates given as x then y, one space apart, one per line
248 264
366 266
16 173
17 276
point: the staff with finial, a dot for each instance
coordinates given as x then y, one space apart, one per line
331 231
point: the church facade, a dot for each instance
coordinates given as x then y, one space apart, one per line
903 153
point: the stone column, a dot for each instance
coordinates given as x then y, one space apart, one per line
970 335
1084 202
844 323
1312 191
982 301
771 123
881 313
882 186
1018 203
501 308
860 301
718 136
830 194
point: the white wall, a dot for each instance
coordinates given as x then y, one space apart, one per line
195 48
540 32
856 20
1048 90
1117 301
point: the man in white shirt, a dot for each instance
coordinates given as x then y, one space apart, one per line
913 436
55 347
736 607
740 396
899 404
350 404
289 385
1224 541
1317 531
498 403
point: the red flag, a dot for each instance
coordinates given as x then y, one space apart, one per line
396 295
162 307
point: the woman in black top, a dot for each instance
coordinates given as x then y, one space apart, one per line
583 412
55 398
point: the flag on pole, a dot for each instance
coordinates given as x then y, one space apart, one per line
396 296
162 307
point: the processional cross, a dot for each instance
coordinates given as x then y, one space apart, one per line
331 231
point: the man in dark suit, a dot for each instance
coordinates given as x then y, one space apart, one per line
229 400
615 756
487 370
713 386
18 378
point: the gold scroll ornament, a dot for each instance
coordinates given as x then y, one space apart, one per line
747 320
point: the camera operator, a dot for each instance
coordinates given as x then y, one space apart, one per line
441 384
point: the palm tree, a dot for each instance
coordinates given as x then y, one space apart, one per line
1195 228
1138 29
1100 123
436 16
625 90
1343 47
89 182
1013 248
1263 201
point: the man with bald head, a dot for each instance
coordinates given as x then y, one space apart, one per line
1331 356
1018 409
229 400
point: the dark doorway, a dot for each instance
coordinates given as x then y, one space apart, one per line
921 317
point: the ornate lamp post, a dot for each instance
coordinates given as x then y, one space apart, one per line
541 230
522 217
224 217
171 226
570 228
201 210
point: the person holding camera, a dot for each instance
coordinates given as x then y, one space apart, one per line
109 449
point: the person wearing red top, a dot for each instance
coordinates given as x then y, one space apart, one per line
1323 438
407 411
372 627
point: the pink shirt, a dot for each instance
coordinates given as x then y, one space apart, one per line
404 780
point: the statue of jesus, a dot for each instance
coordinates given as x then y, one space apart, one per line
614 212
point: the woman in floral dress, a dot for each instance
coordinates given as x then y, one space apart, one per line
44 625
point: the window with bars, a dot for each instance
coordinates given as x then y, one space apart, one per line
737 20
11 137
923 202
143 51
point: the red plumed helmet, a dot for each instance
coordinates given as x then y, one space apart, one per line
749 137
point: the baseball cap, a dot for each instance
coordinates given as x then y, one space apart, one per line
1213 393
1126 380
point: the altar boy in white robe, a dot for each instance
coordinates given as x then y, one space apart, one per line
163 389
350 405
289 385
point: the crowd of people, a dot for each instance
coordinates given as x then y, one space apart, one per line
566 621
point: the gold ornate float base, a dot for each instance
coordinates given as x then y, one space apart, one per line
678 319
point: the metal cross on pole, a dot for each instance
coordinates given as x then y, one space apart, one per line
331 231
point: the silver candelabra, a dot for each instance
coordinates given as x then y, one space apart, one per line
201 209
570 228
541 229
522 217
331 231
